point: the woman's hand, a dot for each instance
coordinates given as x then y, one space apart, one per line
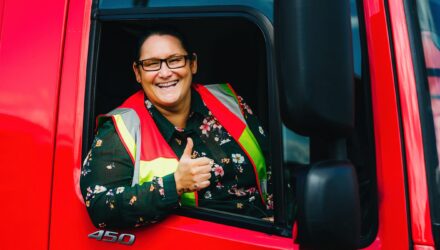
192 174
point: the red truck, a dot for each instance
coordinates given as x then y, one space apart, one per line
349 92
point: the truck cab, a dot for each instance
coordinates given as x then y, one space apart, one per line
347 92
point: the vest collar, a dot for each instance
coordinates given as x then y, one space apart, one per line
166 127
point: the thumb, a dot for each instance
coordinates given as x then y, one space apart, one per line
188 148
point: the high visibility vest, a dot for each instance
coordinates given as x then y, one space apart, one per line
151 154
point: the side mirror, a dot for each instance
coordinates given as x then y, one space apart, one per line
328 206
314 57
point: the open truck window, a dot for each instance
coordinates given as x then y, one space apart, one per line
233 45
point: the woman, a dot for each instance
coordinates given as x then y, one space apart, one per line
174 143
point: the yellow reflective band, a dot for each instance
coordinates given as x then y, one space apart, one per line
188 199
249 142
126 136
158 167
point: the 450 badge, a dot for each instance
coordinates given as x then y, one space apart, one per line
109 236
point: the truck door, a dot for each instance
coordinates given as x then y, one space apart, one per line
234 44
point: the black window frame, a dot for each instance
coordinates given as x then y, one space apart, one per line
280 226
369 211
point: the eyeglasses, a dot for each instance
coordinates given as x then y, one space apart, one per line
173 62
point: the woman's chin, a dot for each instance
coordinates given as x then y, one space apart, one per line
169 97
168 104
169 101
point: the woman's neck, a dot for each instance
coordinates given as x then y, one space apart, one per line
177 115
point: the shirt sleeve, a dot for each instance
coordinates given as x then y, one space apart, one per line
106 186
263 141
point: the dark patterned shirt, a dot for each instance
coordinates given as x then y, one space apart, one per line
108 171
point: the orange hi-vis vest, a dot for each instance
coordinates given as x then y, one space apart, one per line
151 154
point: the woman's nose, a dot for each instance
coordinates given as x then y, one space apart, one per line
164 70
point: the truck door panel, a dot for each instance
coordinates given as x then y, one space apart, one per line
30 58
70 224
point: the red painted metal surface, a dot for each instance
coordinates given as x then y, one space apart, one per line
69 221
30 54
29 99
421 247
375 245
393 230
415 160
2 5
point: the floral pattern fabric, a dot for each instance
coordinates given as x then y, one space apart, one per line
108 171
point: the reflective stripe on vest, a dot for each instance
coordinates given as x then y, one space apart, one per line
151 154
159 159
223 103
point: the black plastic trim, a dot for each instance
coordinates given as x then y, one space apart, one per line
431 71
275 128
366 240
90 91
184 11
236 220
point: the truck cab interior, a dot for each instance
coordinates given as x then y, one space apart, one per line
229 50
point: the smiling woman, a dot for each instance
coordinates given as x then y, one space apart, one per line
175 143
168 87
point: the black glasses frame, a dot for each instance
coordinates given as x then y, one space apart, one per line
187 57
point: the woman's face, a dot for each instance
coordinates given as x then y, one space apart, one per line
166 88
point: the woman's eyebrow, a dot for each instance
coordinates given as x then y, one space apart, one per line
157 58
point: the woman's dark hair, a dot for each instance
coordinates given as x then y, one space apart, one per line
161 31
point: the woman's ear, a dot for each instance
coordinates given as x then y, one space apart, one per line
137 73
193 64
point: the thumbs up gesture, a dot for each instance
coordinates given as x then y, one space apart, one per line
192 174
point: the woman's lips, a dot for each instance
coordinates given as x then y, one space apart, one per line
167 84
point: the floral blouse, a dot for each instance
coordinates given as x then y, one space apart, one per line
107 172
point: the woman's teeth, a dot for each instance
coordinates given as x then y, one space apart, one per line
167 84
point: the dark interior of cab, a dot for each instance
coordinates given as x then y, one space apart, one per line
228 51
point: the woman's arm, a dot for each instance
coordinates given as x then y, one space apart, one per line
106 179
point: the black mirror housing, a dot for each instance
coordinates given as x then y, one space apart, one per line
314 57
328 206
